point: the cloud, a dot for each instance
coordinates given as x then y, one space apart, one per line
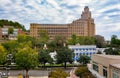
105 12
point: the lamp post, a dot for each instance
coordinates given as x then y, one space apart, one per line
9 60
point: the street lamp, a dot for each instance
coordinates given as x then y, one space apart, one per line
9 60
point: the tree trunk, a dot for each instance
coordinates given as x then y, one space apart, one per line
65 65
27 73
44 64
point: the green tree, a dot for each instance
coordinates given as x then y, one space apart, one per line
115 42
10 30
83 72
26 58
43 36
84 59
3 55
64 55
73 40
112 51
24 40
86 40
44 56
11 46
59 41
58 73
113 39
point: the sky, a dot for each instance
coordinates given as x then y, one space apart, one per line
106 13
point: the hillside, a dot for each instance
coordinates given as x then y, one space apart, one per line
11 23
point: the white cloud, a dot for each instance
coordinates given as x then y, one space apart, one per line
109 8
76 2
54 3
52 11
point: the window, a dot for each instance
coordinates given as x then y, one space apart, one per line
105 71
76 49
76 54
115 74
95 66
87 53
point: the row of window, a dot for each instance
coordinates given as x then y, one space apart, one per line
87 53
83 49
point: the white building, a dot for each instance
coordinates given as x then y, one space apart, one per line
80 50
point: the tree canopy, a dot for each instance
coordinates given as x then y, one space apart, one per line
44 56
115 42
26 58
64 55
83 72
84 59
83 40
3 55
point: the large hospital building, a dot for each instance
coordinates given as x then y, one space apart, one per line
83 26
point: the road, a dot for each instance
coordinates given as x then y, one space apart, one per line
31 72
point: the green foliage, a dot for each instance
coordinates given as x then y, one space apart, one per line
10 46
84 59
56 43
43 36
83 72
73 40
83 40
10 31
44 56
3 55
86 40
24 40
64 55
26 58
115 42
59 40
12 24
58 73
112 51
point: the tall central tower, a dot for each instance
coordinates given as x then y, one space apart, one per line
86 14
84 26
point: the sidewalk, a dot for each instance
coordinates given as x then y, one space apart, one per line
29 77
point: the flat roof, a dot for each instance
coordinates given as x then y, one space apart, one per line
116 65
109 56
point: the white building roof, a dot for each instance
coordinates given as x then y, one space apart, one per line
116 65
113 57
